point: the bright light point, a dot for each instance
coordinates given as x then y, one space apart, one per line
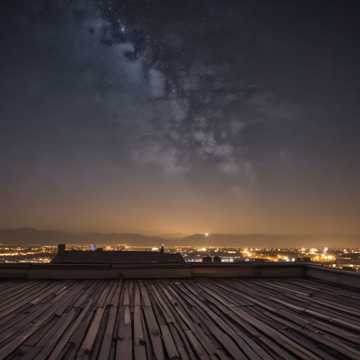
206 234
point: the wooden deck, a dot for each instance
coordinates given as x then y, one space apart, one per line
178 319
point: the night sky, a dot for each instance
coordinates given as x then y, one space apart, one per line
180 116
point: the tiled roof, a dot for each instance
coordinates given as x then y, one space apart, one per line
117 257
178 319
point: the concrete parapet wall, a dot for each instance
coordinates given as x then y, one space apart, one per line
81 271
336 277
250 270
183 271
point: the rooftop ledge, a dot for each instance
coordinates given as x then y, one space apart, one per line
181 271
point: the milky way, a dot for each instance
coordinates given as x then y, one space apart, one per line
240 116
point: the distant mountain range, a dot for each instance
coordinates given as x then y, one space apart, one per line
32 237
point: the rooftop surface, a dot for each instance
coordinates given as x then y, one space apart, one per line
116 257
199 318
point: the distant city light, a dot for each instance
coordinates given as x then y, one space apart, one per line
344 258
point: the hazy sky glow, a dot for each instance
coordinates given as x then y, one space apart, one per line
223 116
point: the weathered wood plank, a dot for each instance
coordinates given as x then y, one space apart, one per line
260 319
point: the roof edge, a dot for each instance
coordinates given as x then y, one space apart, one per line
184 271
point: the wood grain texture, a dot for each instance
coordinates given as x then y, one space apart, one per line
256 319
